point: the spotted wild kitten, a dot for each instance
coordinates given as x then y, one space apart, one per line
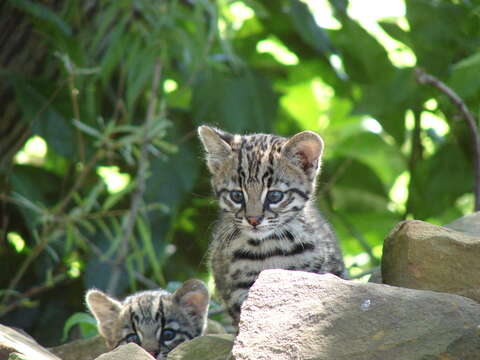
265 186
156 320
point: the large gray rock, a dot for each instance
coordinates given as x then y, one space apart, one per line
84 349
469 224
12 340
209 347
126 352
419 255
298 315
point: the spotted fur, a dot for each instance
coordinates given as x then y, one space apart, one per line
261 232
156 320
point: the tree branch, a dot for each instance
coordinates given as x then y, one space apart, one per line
415 156
34 291
424 78
129 223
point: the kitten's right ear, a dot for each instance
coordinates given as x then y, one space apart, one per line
193 296
217 145
105 310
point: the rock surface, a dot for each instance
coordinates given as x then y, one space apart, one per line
419 255
469 224
298 315
126 352
209 347
84 349
12 340
214 327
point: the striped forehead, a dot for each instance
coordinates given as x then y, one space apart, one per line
256 156
146 306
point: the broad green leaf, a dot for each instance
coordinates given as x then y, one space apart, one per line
465 77
436 48
84 320
305 24
241 103
440 180
396 32
365 60
386 160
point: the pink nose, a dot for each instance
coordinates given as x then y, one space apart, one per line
254 220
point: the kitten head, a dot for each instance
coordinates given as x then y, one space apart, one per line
156 320
262 181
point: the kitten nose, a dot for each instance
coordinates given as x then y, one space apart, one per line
254 220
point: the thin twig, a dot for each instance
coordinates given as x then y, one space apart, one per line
424 78
128 224
415 155
34 291
76 112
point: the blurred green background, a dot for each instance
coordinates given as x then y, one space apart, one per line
101 100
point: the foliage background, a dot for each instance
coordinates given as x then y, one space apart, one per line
102 178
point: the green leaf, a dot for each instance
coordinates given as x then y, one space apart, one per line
396 32
308 29
86 321
44 117
365 60
440 180
37 186
388 99
238 103
370 149
149 249
465 77
42 12
435 47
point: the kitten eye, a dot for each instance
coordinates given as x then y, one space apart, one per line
168 334
274 197
236 196
133 338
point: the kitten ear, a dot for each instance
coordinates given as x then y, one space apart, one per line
217 145
193 295
304 150
105 310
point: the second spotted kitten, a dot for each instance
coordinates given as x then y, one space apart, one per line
156 320
265 186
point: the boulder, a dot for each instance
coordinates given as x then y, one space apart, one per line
214 327
469 224
126 352
83 349
12 340
299 315
419 255
208 347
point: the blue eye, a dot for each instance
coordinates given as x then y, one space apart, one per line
133 338
236 196
168 334
274 197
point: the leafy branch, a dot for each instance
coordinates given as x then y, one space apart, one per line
424 78
129 223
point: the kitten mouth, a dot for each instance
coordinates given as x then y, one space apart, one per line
258 232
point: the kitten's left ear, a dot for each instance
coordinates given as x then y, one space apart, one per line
193 295
105 309
217 146
304 150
